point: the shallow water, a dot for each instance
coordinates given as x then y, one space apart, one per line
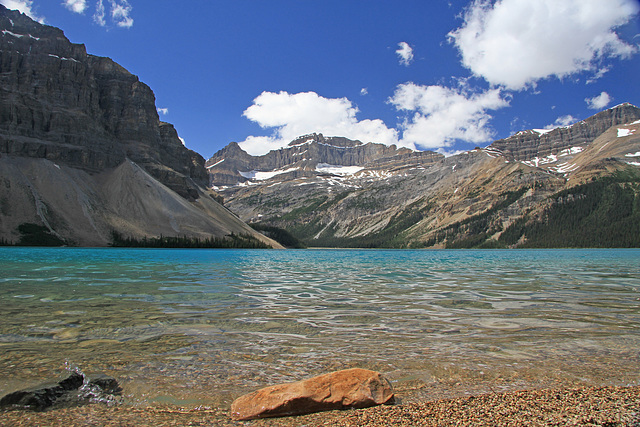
200 327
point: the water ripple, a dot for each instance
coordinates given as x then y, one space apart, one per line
249 316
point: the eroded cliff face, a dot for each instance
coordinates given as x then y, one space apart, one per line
527 145
62 104
310 156
83 152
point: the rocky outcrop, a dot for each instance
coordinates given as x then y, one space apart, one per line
77 389
59 103
526 145
350 388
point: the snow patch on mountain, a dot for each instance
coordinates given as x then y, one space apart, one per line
215 164
19 36
263 176
552 158
565 168
622 132
338 169
569 151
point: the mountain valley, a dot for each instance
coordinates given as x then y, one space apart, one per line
333 192
86 161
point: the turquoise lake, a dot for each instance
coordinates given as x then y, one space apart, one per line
200 327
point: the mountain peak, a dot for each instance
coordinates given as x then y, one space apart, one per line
318 138
306 139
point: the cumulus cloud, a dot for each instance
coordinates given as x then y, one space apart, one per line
293 115
598 102
23 6
77 6
442 115
364 91
163 111
515 43
562 121
405 53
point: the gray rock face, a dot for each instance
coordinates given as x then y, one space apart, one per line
301 158
62 104
83 152
526 145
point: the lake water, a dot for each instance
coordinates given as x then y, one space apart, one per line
200 327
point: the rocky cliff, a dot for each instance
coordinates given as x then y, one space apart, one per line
335 192
309 156
541 143
60 103
82 149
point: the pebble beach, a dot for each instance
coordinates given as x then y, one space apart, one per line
582 406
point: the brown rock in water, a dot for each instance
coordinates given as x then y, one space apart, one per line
350 388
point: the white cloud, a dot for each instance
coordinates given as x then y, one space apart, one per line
293 115
443 115
562 121
515 43
121 13
98 16
364 91
598 102
405 53
163 111
77 6
23 6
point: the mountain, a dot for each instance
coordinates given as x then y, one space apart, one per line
310 156
572 186
83 154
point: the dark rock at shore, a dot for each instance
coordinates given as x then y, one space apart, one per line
75 390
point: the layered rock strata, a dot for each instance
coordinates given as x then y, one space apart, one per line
526 145
62 104
84 154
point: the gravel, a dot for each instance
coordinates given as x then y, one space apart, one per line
584 406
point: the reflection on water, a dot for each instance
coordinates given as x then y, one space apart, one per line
202 326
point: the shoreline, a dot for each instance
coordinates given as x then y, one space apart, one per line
596 406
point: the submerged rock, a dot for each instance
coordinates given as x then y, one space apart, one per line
350 388
75 390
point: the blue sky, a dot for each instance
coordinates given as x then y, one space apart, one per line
438 75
